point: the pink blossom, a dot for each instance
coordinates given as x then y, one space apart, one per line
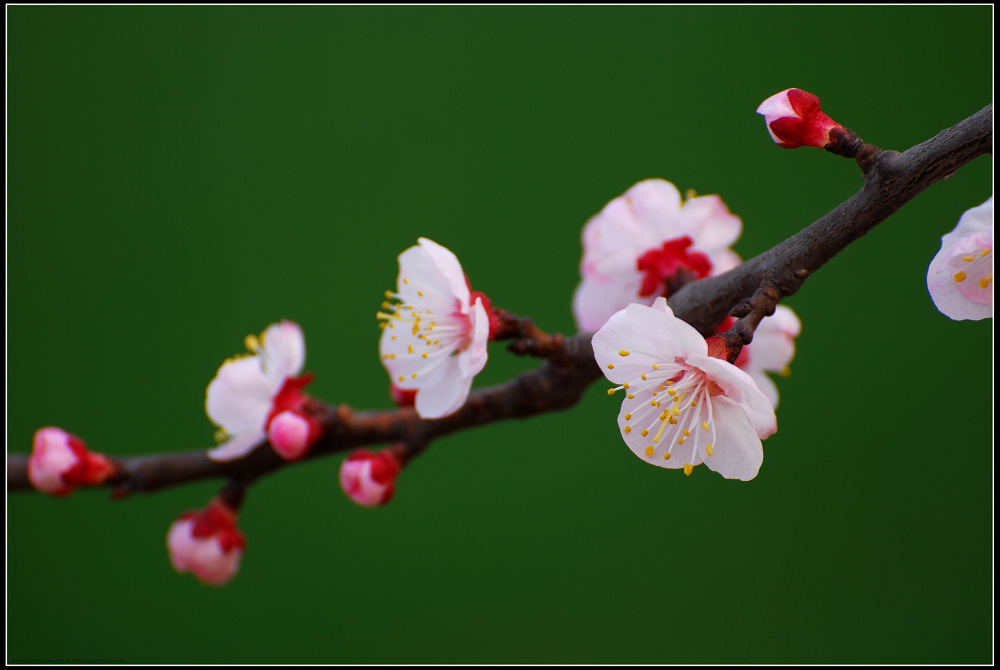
646 243
257 396
960 277
434 338
60 462
207 543
772 349
682 407
369 479
794 119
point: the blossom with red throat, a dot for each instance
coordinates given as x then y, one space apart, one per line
207 543
794 119
259 395
434 338
369 479
60 462
646 244
960 278
682 407
772 349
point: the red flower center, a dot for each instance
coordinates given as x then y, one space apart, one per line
670 267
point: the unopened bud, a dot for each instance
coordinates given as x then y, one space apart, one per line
369 479
794 119
60 462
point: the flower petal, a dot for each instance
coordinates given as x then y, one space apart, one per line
284 350
436 273
239 397
238 445
739 387
737 452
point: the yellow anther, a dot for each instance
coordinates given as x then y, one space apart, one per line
694 403
622 352
671 392
708 448
611 366
672 421
420 293
687 433
984 252
611 391
985 281
649 451
657 403
960 276
666 456
392 356
704 424
393 337
690 194
220 436
405 280
644 432
968 259
670 383
624 386
680 440
413 376
643 375
251 343
401 378
627 429
388 294
630 396
656 366
676 410
654 394
423 355
652 403
688 468
628 416
431 327
409 348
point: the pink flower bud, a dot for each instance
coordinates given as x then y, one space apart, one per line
289 435
207 543
60 462
370 478
794 119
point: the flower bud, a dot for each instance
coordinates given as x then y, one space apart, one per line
794 119
368 478
288 433
60 462
207 543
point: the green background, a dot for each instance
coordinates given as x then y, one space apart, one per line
179 177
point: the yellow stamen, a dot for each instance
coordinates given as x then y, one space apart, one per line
688 468
401 377
628 416
704 424
423 355
624 386
666 456
611 366
251 343
630 396
611 391
409 348
643 375
660 431
656 366
644 432
985 281
708 448
420 293
649 451
960 276
627 429
687 433
968 259
405 280
984 252
680 440
622 352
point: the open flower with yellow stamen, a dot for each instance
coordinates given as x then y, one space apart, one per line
960 277
259 395
434 337
682 407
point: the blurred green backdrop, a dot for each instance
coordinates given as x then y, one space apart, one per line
179 177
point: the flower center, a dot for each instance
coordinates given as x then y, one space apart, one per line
423 333
671 266
678 416
974 274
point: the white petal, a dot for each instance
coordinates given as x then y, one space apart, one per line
776 106
284 350
739 387
239 397
965 299
737 452
445 393
673 336
975 220
238 445
773 345
712 226
472 360
434 271
594 300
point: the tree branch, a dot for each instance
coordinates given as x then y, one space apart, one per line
891 180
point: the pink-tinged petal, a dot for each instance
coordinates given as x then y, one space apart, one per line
976 220
776 106
773 345
472 360
181 545
655 202
446 395
289 435
739 387
737 452
710 222
238 445
214 566
674 337
609 342
434 271
51 456
766 386
284 350
239 397
594 301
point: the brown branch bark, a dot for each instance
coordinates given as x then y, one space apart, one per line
891 180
